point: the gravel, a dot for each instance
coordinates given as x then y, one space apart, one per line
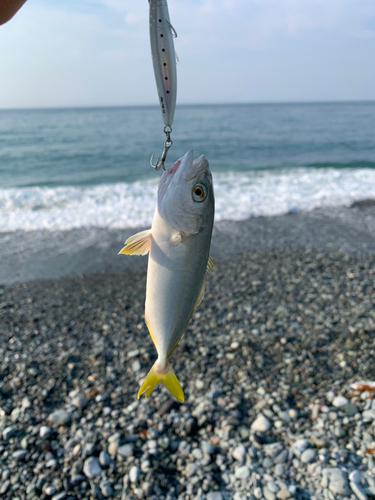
267 364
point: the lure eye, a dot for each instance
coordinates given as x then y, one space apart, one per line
199 192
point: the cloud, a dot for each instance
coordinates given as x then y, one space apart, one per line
97 51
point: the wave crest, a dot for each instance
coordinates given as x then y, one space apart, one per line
238 196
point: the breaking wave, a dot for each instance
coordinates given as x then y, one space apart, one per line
238 196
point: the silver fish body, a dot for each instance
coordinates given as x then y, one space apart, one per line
163 58
178 244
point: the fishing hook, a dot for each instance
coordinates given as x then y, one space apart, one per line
174 32
167 145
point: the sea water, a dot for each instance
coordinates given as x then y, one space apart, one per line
63 169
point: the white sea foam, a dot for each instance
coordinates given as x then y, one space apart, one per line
238 196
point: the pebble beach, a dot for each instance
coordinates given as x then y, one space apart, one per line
277 367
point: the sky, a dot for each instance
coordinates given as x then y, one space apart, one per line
66 53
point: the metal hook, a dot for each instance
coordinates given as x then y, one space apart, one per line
167 145
174 32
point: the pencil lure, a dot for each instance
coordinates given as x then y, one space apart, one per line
178 245
163 58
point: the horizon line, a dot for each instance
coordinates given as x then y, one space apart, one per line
249 103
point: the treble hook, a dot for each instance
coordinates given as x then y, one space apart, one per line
167 145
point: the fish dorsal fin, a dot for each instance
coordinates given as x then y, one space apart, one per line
138 244
201 294
210 265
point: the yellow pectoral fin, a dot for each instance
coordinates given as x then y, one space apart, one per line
168 378
210 264
138 244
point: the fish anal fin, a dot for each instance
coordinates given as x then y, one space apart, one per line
166 377
201 294
210 264
138 244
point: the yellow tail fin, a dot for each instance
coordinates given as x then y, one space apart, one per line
168 378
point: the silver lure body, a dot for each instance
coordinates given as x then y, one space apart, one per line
163 58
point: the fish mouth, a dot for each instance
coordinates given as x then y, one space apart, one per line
196 168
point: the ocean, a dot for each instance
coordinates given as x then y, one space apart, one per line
64 169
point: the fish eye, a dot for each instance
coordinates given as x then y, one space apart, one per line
199 192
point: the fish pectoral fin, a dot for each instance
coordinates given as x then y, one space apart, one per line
168 378
138 244
176 239
200 295
210 264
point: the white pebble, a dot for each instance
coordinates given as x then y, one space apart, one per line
261 424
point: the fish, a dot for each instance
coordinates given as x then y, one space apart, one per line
178 248
163 58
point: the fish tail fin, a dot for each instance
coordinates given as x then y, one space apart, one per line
166 377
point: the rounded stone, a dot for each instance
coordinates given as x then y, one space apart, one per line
91 468
355 477
239 453
8 433
80 402
242 472
134 474
60 417
308 456
127 450
104 459
214 495
339 401
300 446
207 448
19 454
44 431
261 424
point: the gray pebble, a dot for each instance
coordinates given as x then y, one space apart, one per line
8 433
49 490
300 446
261 424
207 448
239 453
91 468
308 456
60 417
355 477
127 450
214 495
336 480
242 472
282 457
134 474
358 491
350 409
279 470
80 402
104 459
267 463
191 470
272 487
44 431
339 401
268 495
59 496
106 489
19 454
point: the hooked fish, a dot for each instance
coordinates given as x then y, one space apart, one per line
163 58
178 246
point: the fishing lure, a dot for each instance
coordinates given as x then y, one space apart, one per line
164 62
